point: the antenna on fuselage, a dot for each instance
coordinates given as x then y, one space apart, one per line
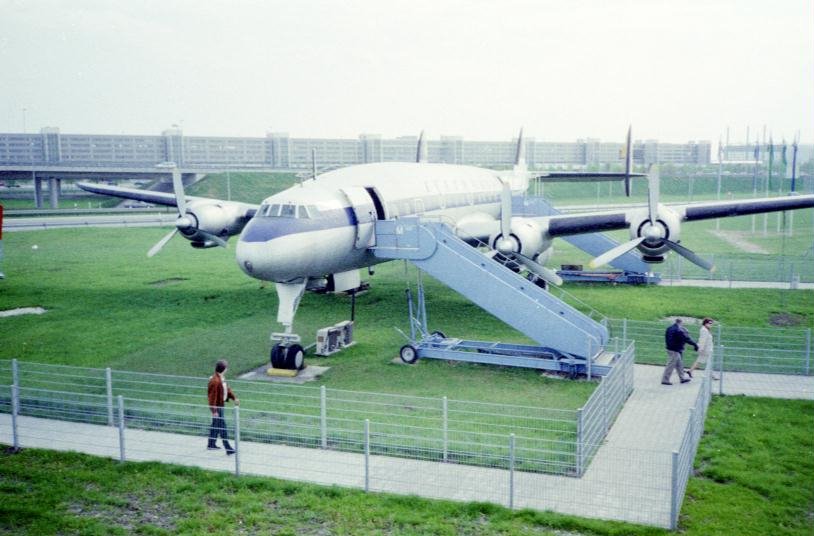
421 149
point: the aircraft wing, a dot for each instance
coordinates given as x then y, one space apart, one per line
592 222
149 196
725 209
583 176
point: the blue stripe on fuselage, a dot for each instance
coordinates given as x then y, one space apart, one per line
262 229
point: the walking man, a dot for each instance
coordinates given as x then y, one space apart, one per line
675 338
218 393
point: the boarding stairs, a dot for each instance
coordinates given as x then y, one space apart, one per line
569 340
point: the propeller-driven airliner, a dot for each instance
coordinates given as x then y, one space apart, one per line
324 228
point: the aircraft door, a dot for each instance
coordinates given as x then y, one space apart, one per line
364 211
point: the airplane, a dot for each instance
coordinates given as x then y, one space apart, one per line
322 230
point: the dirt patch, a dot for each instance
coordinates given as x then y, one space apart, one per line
23 311
738 239
786 320
129 513
166 282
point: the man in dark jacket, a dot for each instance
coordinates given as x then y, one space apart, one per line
675 338
218 393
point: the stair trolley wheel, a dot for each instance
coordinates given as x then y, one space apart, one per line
408 354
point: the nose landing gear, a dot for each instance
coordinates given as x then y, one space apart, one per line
287 355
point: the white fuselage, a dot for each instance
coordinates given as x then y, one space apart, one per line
326 225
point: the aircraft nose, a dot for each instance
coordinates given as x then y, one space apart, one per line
273 260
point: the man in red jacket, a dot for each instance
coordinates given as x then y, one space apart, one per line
218 393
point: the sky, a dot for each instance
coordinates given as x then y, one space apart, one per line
563 70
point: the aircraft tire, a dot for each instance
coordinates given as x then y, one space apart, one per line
408 354
294 357
278 356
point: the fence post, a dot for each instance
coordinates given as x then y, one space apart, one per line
579 442
15 410
808 350
120 400
730 274
589 358
674 493
367 454
603 385
15 373
237 440
323 416
109 385
692 424
511 471
446 428
721 371
624 330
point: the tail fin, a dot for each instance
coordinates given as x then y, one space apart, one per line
421 149
520 155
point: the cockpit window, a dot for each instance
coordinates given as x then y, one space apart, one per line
288 211
270 211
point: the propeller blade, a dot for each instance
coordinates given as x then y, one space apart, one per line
506 211
628 160
214 238
538 269
178 189
653 193
161 243
690 256
618 251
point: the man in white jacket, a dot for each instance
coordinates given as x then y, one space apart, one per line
705 344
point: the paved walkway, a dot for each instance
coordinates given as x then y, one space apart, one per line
629 479
715 283
767 385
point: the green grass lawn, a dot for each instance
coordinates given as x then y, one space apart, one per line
754 475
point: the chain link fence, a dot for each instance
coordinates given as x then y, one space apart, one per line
739 349
546 440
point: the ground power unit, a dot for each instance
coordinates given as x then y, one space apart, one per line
334 338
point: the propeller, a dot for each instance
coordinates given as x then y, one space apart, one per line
505 245
628 161
617 251
184 221
690 256
651 232
547 274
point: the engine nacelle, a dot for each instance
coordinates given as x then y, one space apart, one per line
526 238
211 218
667 226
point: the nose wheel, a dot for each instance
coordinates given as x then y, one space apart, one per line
291 357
